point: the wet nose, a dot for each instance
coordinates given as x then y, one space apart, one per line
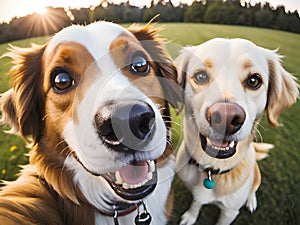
226 118
128 123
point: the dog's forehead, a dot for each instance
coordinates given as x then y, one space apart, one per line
229 48
220 51
96 37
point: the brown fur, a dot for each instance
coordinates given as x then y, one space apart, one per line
282 91
257 178
45 193
26 104
150 40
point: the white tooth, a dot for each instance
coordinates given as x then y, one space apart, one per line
126 186
119 179
151 166
149 176
231 145
208 142
227 148
144 182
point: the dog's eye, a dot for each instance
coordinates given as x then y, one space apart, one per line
139 64
254 81
201 77
61 80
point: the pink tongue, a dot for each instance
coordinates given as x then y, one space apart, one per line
135 172
220 144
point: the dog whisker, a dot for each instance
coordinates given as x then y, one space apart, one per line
64 165
46 115
260 136
176 131
64 149
257 132
58 144
175 123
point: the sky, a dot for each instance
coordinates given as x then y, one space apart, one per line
18 8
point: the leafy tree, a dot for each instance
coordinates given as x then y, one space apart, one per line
209 11
214 12
265 16
195 12
81 16
132 14
287 21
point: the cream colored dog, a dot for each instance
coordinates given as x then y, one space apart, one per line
228 86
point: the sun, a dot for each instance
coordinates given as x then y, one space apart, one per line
41 10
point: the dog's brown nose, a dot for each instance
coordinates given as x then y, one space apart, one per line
125 125
226 118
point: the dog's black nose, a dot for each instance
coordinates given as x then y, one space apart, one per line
125 125
226 118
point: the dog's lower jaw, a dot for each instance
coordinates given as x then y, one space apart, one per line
133 192
221 150
155 202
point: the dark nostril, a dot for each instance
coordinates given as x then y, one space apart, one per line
237 121
103 124
216 118
225 117
141 120
125 125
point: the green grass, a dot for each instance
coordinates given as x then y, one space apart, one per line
279 194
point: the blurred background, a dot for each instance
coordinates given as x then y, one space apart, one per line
273 24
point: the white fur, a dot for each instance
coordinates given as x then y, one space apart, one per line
153 202
228 63
229 204
109 84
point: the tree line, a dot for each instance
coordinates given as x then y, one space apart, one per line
213 11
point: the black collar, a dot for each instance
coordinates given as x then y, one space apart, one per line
213 171
119 212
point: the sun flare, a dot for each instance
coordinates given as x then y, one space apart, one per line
41 10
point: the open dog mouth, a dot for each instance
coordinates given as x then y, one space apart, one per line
220 149
134 181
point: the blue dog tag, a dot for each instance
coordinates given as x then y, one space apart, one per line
209 183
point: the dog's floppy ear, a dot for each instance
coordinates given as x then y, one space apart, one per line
181 63
8 109
23 105
153 44
283 89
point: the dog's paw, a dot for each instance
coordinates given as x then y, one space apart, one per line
252 202
187 219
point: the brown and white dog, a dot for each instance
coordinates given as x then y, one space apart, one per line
228 86
92 101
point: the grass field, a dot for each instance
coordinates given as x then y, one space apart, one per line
279 194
